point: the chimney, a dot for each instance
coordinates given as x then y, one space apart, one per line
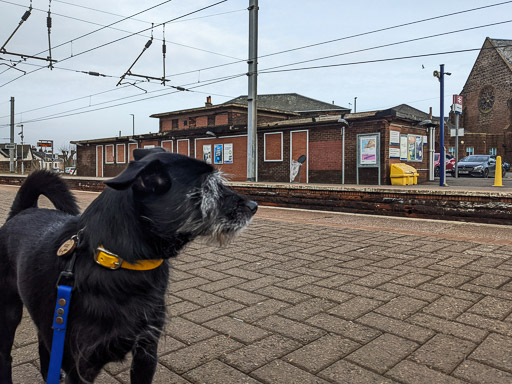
208 101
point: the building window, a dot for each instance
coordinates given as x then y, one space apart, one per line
121 153
185 122
109 154
174 123
451 151
486 100
470 151
492 151
273 146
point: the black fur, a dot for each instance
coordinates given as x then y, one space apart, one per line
151 210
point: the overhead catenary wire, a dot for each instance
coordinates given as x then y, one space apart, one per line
213 81
122 38
109 26
354 35
377 60
391 44
191 89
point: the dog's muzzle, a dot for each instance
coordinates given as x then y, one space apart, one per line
252 205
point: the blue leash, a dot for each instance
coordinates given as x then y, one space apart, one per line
65 285
60 318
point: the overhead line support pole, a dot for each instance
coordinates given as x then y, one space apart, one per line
11 150
252 94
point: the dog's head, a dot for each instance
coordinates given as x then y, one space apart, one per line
178 196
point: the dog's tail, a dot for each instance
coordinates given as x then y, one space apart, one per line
48 184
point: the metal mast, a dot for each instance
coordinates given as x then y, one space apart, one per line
252 96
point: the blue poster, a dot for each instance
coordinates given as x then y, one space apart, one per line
218 154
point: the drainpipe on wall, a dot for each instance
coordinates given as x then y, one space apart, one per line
344 124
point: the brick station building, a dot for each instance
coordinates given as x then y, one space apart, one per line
487 112
289 126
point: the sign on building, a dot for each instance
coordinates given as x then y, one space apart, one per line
457 104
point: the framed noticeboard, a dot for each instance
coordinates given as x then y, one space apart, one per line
217 155
207 153
415 148
403 147
368 152
228 153
394 137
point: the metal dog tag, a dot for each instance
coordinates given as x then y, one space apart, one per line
67 247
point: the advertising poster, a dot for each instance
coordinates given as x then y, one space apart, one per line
368 150
403 147
411 146
419 148
207 153
415 147
218 154
228 153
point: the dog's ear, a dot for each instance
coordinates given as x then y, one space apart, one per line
143 176
139 153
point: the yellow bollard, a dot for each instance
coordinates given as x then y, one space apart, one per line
498 181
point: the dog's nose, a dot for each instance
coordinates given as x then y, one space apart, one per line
252 205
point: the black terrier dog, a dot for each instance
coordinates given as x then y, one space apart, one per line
123 242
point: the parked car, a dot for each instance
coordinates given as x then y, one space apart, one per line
504 163
450 163
478 165
70 170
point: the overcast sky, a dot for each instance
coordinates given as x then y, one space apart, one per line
218 36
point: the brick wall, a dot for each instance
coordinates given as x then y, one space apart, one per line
476 206
183 147
165 125
273 143
202 121
489 72
237 171
221 119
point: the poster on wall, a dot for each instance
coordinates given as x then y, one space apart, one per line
394 153
415 147
394 137
207 153
411 147
218 154
368 150
228 153
403 147
419 148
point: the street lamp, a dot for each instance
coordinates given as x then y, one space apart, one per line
133 124
22 162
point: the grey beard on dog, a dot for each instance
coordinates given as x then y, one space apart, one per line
148 213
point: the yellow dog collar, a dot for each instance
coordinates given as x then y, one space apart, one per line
110 260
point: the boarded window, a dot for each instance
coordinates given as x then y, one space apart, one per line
183 147
273 143
109 154
167 144
121 153
131 148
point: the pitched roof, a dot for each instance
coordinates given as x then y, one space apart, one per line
504 48
403 111
220 107
290 102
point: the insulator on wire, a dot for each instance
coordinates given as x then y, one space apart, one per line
148 44
26 15
49 21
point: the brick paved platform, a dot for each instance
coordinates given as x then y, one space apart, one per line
317 297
